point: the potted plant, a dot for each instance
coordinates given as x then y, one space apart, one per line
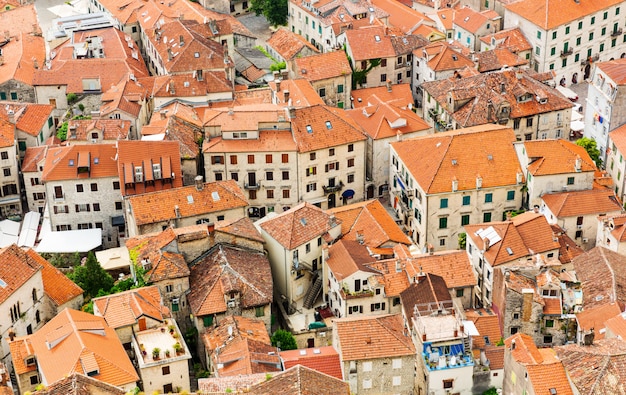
167 353
162 330
171 328
156 352
178 348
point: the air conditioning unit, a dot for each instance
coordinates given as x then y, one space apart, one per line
408 64
231 304
585 240
579 227
175 301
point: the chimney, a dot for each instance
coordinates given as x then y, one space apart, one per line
284 74
536 209
170 56
519 177
285 95
11 334
398 266
277 85
11 116
455 184
163 113
431 249
199 183
181 40
291 112
479 181
485 244
502 88
35 64
579 162
389 88
171 86
360 238
177 211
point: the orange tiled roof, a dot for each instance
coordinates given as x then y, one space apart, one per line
556 156
614 69
26 51
400 95
441 56
298 91
288 44
525 350
470 20
616 326
111 129
243 227
496 59
160 206
364 45
557 12
342 130
21 348
29 118
144 154
601 273
59 288
618 136
324 66
488 326
526 232
495 355
228 269
552 306
125 308
573 204
595 317
301 380
402 17
463 154
268 141
382 120
608 359
71 339
371 220
79 384
7 133
425 291
372 337
32 157
348 257
453 266
512 39
544 378
62 163
322 359
242 118
17 267
126 96
298 225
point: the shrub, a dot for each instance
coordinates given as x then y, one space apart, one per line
71 98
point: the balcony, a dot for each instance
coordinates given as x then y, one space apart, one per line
161 344
333 188
59 197
616 33
447 361
253 187
433 113
567 52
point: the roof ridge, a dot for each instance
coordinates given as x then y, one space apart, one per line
614 286
607 359
392 332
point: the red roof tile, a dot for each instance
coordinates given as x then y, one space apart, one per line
323 359
62 163
125 308
573 204
557 12
59 288
289 45
324 66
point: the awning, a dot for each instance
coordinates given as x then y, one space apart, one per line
117 220
401 183
348 194
71 241
577 126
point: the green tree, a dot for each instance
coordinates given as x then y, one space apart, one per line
62 132
592 149
275 11
285 339
462 240
91 277
491 391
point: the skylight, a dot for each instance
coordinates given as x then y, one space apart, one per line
377 38
509 251
215 196
329 125
3 284
309 129
71 162
189 199
96 160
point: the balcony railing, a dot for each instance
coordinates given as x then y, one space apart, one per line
448 362
334 188
567 52
59 198
616 33
252 186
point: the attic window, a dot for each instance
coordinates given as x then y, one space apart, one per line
489 157
454 162
96 161
189 199
509 251
377 38
329 125
71 162
215 196
466 19
303 221
3 284
30 361
196 54
309 129
454 57
371 9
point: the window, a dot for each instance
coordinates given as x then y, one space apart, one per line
82 208
367 384
217 160
605 15
350 147
285 193
340 88
459 292
79 187
269 175
465 219
331 152
602 47
549 323
537 51
590 36
351 162
443 222
577 41
39 196
397 380
96 207
7 172
118 205
250 159
233 159
252 195
322 92
443 203
207 321
311 187
603 31
367 366
593 20
510 195
486 217
552 51
312 156
259 311
488 197
554 35
516 316
13 95
566 29
4 155
270 193
547 339
580 25
116 185
466 200
234 176
3 95
285 158
617 11
448 383
34 380
529 122
570 180
350 178
169 288
311 171
285 175
94 187
219 176
383 77
516 124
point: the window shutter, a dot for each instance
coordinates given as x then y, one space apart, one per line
77 209
55 210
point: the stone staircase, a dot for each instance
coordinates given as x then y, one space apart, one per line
313 292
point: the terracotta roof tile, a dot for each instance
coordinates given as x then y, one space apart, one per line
556 156
552 306
228 269
214 197
598 369
498 58
324 66
371 220
618 136
289 45
126 96
400 95
21 348
243 227
402 17
487 141
79 384
300 380
322 359
441 56
7 133
236 384
62 163
614 69
525 350
59 288
470 20
17 267
372 337
125 308
616 326
348 257
81 335
109 129
145 154
268 141
595 317
427 292
602 275
342 131
30 118
25 52
364 46
544 378
572 204
299 225
453 266
558 12
488 326
512 39
568 249
527 234
300 91
32 157
495 355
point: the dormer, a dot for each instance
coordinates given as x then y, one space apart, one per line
84 163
